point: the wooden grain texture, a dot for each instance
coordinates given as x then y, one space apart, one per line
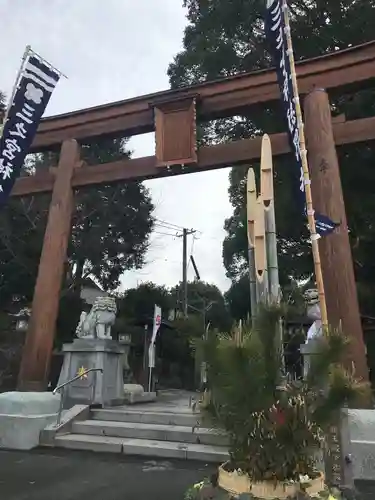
208 158
341 70
335 251
37 351
175 133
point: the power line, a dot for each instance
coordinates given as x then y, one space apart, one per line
174 235
171 225
166 226
181 232
161 222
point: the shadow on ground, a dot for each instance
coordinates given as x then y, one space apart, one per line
67 475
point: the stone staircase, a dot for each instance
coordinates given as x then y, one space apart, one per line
150 431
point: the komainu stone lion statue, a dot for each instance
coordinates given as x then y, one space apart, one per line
98 322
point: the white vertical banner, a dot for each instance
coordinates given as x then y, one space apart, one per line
151 356
155 329
157 323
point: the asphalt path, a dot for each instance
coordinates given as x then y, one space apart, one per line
74 475
69 475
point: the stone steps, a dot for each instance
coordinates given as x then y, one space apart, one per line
149 430
158 432
143 447
185 419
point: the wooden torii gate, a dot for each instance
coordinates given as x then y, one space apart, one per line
173 116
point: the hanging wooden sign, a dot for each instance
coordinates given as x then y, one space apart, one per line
175 132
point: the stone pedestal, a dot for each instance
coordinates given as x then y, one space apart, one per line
134 393
104 388
362 443
23 415
307 350
125 343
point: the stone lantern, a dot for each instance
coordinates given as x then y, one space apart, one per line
22 322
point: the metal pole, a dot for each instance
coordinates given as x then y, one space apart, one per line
184 273
149 379
145 346
60 407
14 90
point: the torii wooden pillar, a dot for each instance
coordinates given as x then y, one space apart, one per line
176 119
335 251
38 346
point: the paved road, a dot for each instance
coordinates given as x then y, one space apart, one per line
66 475
51 474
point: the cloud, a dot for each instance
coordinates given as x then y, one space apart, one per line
110 51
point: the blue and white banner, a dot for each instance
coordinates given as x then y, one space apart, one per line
276 32
34 89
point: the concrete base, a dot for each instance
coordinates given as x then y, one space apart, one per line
23 415
100 388
75 414
135 394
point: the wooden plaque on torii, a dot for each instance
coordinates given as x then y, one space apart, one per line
175 134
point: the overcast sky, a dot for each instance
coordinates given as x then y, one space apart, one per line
113 50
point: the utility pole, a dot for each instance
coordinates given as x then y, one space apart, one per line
185 234
184 273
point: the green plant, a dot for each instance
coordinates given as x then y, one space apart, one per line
275 427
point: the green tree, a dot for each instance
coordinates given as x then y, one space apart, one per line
238 298
175 357
110 231
207 302
225 37
286 421
137 304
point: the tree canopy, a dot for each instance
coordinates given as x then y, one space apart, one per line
206 305
225 37
206 301
110 228
137 304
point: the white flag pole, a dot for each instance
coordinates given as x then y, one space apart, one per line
149 379
306 175
48 64
14 90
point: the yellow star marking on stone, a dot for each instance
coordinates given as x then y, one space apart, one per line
81 372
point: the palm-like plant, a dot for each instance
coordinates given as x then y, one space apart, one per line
274 427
